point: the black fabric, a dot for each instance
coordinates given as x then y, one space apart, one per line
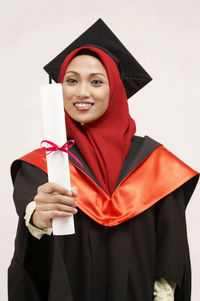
99 263
99 35
140 149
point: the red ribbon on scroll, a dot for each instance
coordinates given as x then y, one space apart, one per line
54 147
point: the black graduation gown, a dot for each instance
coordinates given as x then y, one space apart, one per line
100 263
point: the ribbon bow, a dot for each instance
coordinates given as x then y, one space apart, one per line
64 148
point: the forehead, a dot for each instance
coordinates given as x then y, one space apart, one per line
86 63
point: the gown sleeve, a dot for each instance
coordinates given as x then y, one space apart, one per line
25 280
172 251
26 179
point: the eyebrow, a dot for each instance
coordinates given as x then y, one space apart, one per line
94 73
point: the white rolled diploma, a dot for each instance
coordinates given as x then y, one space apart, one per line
57 161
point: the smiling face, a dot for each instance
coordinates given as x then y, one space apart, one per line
86 89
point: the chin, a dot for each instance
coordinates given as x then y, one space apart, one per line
83 120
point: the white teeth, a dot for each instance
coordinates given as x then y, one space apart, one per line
83 104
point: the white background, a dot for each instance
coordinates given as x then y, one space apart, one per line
164 38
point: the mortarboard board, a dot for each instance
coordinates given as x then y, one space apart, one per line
99 35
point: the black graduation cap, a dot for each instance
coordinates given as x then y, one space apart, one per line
99 35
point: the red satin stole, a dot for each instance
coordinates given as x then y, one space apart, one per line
157 176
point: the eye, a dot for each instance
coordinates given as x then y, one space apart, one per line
97 82
71 80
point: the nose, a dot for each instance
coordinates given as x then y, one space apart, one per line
83 91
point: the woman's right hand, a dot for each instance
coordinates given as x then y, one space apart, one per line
53 200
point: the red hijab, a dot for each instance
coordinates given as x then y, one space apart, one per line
105 142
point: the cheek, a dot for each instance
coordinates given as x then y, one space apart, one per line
102 94
103 103
66 99
68 94
106 98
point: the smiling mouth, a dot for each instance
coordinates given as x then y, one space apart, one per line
83 104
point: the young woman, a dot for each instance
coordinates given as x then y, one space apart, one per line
128 200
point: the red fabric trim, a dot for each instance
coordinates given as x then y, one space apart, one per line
158 175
